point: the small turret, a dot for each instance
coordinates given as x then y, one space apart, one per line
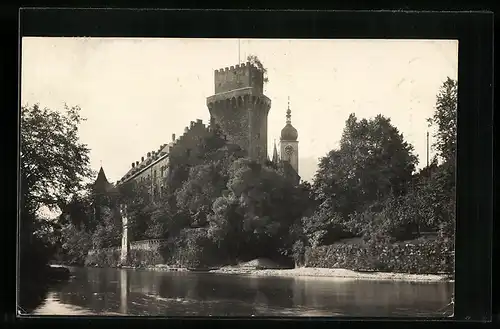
275 154
101 184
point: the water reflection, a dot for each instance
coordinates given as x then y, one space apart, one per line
31 295
124 289
130 292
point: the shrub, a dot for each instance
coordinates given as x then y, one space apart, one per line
76 244
142 258
298 250
196 250
109 257
426 257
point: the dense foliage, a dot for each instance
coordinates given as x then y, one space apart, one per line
445 121
54 165
254 60
223 208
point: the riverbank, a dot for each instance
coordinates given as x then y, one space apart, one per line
332 273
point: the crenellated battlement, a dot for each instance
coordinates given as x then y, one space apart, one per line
239 76
236 67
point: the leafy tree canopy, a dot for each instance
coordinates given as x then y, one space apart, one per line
445 121
373 161
54 163
253 59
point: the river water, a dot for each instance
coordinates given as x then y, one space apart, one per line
93 291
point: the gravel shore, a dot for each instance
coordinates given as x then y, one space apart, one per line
313 272
334 274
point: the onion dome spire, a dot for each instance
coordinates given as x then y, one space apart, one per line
289 133
288 113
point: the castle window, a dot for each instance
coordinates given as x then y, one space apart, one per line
154 174
188 152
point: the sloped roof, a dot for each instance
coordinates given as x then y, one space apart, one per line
101 183
290 172
141 165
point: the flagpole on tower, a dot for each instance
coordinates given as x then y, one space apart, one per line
239 51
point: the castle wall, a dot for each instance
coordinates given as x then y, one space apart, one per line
243 120
233 122
155 168
185 148
259 143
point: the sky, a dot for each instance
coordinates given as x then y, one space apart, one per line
135 93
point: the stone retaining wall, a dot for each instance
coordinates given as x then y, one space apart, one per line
429 257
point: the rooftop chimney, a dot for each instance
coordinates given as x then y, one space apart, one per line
142 159
149 154
173 137
137 163
133 164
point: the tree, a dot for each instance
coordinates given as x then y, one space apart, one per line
54 163
225 225
445 121
441 186
255 215
439 193
372 163
76 244
254 60
198 193
135 196
108 231
79 212
53 166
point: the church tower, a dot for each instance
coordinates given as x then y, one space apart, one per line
239 108
289 146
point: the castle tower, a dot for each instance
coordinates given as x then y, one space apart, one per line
288 143
239 108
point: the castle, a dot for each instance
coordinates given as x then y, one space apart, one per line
239 110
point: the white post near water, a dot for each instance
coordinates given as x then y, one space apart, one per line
124 258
